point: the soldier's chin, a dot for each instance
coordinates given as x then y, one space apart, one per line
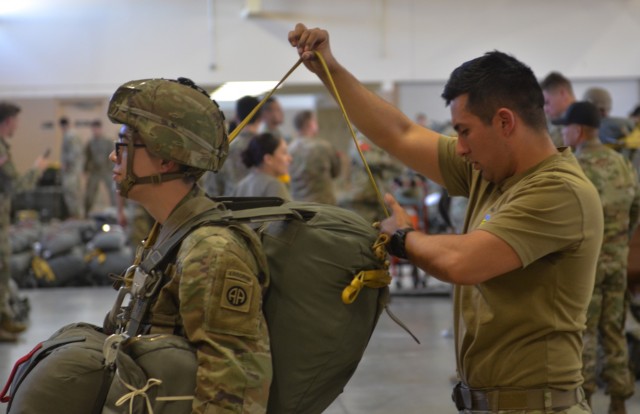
119 191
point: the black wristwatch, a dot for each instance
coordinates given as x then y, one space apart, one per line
396 245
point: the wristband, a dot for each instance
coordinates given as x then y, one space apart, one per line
396 246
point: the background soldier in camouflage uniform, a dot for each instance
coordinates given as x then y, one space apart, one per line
10 183
224 182
97 166
71 168
172 133
359 194
315 163
617 185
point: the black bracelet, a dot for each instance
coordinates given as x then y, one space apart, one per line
396 245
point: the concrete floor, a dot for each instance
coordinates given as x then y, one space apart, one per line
396 375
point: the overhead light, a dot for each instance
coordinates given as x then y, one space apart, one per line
232 91
15 7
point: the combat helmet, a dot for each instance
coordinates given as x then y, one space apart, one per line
176 120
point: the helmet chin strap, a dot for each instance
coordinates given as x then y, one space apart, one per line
131 179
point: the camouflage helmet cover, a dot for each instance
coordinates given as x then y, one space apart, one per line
175 119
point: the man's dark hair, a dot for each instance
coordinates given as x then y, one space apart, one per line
301 119
497 80
269 101
64 121
7 110
244 106
555 80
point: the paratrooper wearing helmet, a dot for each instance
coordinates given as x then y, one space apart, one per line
215 280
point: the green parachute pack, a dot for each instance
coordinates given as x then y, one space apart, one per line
329 284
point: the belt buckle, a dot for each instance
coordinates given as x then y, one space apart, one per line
462 397
457 397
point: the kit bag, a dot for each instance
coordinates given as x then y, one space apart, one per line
66 374
61 375
314 251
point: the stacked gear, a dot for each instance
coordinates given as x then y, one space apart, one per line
108 254
59 256
22 237
152 108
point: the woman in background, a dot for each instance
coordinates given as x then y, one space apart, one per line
268 159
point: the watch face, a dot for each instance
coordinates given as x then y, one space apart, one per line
397 243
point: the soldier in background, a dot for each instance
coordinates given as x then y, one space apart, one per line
272 118
172 133
558 95
315 164
71 163
612 128
617 184
224 182
422 119
10 183
97 166
359 194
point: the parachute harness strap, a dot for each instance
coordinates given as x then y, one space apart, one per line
148 242
142 392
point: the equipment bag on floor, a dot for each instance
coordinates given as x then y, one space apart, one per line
108 256
67 375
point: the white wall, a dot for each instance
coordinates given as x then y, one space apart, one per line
80 47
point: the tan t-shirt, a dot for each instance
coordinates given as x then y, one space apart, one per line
523 329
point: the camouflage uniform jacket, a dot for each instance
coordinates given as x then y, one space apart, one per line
71 155
96 153
10 180
617 184
315 163
213 297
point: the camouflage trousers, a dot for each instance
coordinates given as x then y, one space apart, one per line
605 327
93 183
5 250
71 191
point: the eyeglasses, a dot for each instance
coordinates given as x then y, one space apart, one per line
119 145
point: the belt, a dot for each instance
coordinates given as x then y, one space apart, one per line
494 399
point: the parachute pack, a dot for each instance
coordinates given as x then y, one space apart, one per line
329 278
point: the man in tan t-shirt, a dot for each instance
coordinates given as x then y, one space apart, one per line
524 268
